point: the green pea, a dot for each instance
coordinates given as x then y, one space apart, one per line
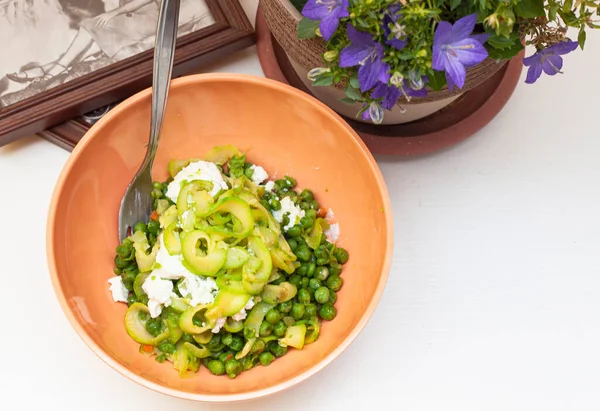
304 206
265 329
117 271
307 222
157 184
280 183
197 321
295 231
291 182
227 339
314 205
154 326
334 282
335 269
332 297
223 357
151 239
279 329
327 312
233 367
302 270
128 278
161 358
303 296
285 220
153 227
273 316
311 269
322 295
215 343
265 204
166 347
310 311
321 273
275 204
123 251
322 261
298 311
120 263
187 338
301 242
295 279
258 347
132 299
248 362
292 243
306 195
237 343
285 307
216 367
266 358
321 252
314 284
341 255
303 253
278 350
140 227
304 282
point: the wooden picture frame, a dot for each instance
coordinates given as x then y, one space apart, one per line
55 114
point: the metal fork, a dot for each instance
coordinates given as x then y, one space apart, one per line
137 202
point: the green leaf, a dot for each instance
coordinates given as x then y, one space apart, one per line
530 8
347 100
352 93
437 80
505 53
581 38
454 4
501 42
569 18
323 80
307 28
354 82
552 12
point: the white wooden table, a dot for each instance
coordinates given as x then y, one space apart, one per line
493 302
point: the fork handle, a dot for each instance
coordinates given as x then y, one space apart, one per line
164 53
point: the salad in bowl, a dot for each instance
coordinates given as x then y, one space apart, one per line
231 270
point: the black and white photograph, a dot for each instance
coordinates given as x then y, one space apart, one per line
51 42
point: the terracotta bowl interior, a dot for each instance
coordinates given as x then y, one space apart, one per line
281 129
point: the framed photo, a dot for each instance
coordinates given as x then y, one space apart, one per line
71 58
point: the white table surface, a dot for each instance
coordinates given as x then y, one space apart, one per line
493 300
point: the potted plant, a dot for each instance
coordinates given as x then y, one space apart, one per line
394 61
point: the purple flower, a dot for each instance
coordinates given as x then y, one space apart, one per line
329 12
367 53
549 60
372 111
391 93
393 30
455 50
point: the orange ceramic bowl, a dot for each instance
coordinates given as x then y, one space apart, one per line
282 129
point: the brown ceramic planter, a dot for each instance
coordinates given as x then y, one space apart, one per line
453 120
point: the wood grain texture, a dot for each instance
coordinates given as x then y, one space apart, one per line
232 31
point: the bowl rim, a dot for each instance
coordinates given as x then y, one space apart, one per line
182 82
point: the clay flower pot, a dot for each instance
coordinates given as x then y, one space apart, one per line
304 55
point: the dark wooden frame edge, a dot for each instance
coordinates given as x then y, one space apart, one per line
47 112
